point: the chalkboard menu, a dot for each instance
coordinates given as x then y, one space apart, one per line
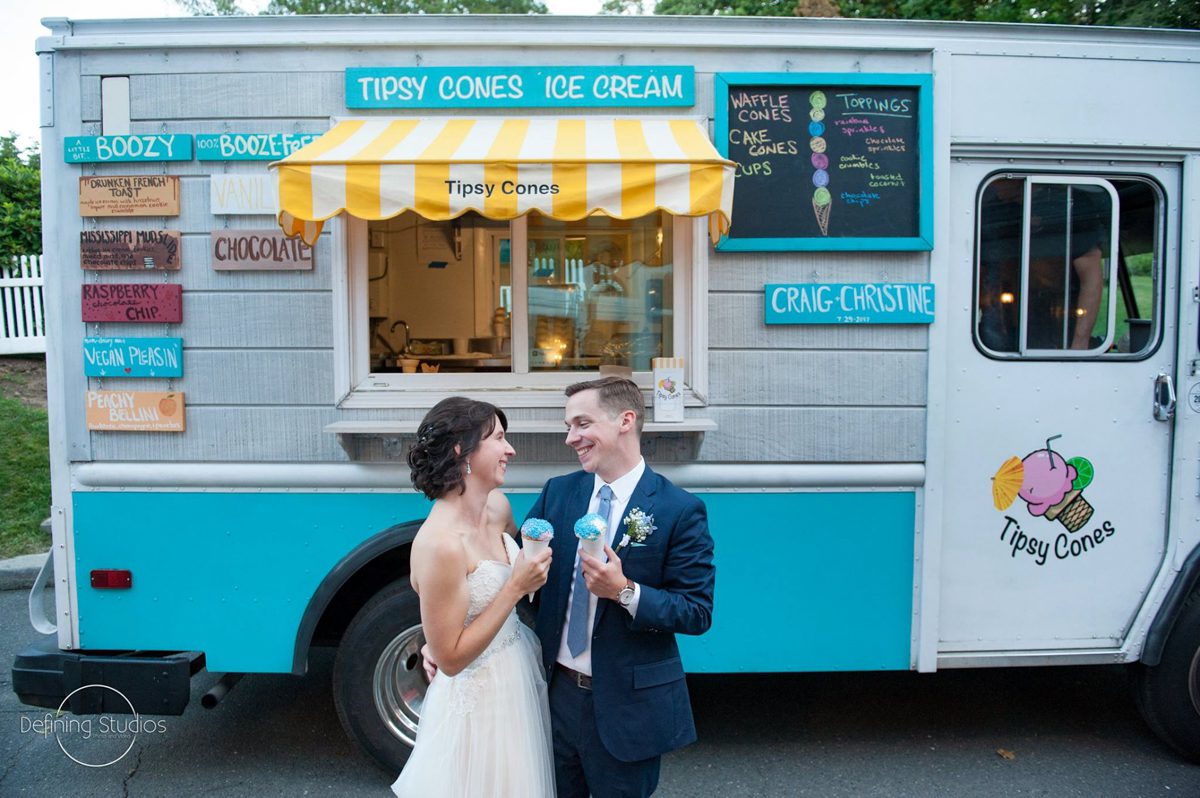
827 161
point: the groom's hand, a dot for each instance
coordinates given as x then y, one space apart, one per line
603 579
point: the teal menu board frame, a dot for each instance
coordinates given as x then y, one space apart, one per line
827 161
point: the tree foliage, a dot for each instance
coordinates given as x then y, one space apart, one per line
1138 13
20 199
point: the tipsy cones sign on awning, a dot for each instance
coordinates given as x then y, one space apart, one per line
135 411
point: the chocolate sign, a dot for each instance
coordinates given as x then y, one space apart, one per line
130 249
138 303
129 195
263 250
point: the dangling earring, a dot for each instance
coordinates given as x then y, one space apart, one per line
468 467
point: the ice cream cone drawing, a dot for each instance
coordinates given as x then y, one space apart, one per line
1051 486
822 201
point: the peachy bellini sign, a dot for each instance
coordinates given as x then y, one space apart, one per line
520 87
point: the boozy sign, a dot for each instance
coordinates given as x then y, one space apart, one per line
110 149
849 303
519 87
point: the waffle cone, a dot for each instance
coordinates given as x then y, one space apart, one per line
822 214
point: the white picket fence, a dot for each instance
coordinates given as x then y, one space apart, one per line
22 320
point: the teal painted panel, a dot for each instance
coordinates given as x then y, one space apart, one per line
808 582
825 584
115 149
250 146
520 87
848 303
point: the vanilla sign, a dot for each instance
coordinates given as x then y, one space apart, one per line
135 411
130 250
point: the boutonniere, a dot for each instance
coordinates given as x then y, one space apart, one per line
638 526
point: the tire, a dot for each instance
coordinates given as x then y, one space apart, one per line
1168 694
378 679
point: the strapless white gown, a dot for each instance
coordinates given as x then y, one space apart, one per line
486 731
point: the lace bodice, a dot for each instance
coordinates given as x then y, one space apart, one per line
484 584
487 579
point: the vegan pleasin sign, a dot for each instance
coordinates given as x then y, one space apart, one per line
135 411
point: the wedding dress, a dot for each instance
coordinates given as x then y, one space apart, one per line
486 730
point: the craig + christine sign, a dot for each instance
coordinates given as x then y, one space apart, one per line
520 87
849 303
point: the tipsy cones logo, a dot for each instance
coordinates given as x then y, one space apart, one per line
1052 488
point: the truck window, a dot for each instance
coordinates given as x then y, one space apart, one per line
1067 266
597 291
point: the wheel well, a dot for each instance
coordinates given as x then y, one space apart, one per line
1186 582
357 591
375 562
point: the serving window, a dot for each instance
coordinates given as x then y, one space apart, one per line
528 305
1068 266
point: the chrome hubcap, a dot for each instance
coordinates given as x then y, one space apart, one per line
399 684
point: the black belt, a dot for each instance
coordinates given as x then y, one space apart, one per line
581 680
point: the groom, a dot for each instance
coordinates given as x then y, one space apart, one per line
618 699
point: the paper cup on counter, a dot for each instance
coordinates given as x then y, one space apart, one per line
668 388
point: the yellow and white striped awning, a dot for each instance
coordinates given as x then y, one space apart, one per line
503 168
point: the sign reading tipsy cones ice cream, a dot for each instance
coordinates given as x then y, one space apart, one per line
1052 488
135 411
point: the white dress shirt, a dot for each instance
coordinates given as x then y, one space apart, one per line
622 489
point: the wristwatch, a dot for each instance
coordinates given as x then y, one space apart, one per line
625 597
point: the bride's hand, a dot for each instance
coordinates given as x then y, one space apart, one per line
428 663
529 574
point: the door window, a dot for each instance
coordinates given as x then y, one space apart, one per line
1067 266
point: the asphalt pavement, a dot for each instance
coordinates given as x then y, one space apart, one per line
1060 732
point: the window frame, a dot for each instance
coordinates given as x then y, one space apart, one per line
1104 180
355 386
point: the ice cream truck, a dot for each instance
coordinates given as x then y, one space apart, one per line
934 289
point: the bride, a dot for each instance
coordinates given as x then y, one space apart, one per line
485 722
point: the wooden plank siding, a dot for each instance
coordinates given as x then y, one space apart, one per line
258 356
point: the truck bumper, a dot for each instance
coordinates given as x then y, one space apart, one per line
155 682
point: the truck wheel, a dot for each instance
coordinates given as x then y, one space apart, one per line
378 679
1168 694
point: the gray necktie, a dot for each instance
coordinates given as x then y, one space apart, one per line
577 631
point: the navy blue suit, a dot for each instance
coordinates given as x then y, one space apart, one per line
640 697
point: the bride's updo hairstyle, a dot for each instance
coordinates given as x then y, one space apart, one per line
436 468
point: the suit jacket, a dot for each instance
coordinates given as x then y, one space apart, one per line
641 698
